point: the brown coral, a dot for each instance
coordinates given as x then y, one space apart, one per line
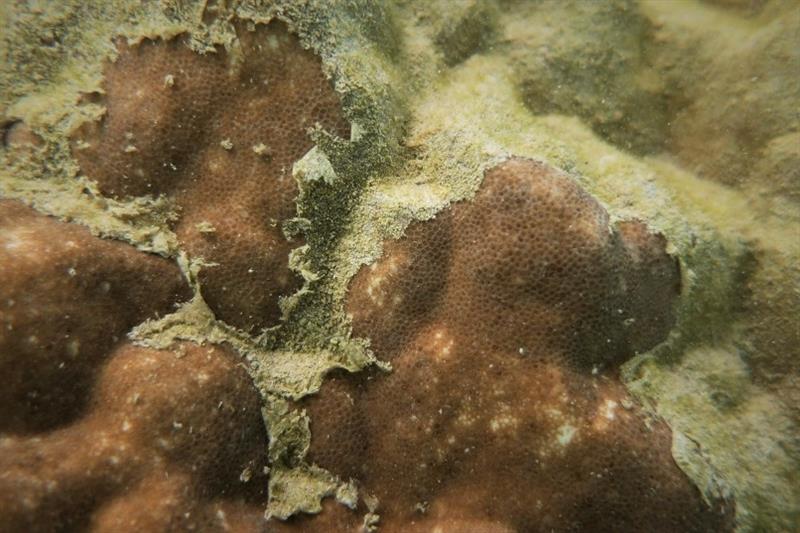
504 320
170 432
218 133
67 298
93 428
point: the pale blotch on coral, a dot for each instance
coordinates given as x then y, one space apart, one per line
504 320
199 141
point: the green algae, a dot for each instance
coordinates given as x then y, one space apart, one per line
437 93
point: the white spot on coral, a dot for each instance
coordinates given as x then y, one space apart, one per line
222 520
608 409
12 242
504 420
261 149
441 345
605 415
466 418
565 434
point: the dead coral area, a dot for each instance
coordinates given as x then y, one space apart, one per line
623 68
504 319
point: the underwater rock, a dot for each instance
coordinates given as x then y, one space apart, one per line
490 265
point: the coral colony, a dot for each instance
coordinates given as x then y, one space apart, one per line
480 266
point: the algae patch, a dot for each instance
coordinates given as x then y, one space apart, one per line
729 435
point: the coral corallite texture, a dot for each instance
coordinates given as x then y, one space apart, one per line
162 446
219 135
399 266
95 429
103 435
504 320
67 298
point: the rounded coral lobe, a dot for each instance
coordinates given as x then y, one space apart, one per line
532 264
67 298
218 133
168 442
94 429
97 433
504 319
538 261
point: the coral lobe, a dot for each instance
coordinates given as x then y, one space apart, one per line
504 319
218 133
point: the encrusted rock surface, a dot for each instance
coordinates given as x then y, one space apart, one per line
488 265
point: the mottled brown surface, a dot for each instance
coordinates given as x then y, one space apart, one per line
218 135
160 447
95 433
66 298
504 320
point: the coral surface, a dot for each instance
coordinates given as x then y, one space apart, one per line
504 320
218 137
168 441
68 299
486 265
